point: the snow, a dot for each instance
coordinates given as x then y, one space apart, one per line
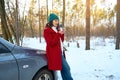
102 62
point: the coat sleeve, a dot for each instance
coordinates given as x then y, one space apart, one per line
62 37
49 39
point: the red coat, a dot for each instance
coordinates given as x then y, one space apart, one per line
53 48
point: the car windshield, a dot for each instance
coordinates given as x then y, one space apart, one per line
6 43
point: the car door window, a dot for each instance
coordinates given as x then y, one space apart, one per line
3 49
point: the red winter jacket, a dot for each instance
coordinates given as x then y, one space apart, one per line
53 48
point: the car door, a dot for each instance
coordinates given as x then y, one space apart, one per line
8 65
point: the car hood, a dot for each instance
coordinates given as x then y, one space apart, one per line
9 45
34 51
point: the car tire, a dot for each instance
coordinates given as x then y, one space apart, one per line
44 74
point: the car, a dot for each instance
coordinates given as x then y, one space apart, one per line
20 63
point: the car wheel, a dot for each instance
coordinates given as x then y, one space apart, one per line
44 74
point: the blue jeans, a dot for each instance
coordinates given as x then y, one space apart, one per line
65 72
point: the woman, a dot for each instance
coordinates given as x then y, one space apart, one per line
54 49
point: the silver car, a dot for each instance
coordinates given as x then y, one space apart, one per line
18 63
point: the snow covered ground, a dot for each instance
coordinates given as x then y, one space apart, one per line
102 62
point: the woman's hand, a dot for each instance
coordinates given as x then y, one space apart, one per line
62 31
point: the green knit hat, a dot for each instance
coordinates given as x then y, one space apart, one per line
52 17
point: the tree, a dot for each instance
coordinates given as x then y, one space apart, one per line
5 30
15 21
118 26
63 18
31 17
47 7
87 24
77 17
39 20
10 19
17 26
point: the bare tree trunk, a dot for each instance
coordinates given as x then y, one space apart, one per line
31 17
23 25
47 7
17 27
88 25
31 27
9 22
39 20
63 18
11 26
22 30
118 26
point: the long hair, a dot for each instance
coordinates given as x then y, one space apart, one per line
50 24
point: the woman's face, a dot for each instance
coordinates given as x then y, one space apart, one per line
55 22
